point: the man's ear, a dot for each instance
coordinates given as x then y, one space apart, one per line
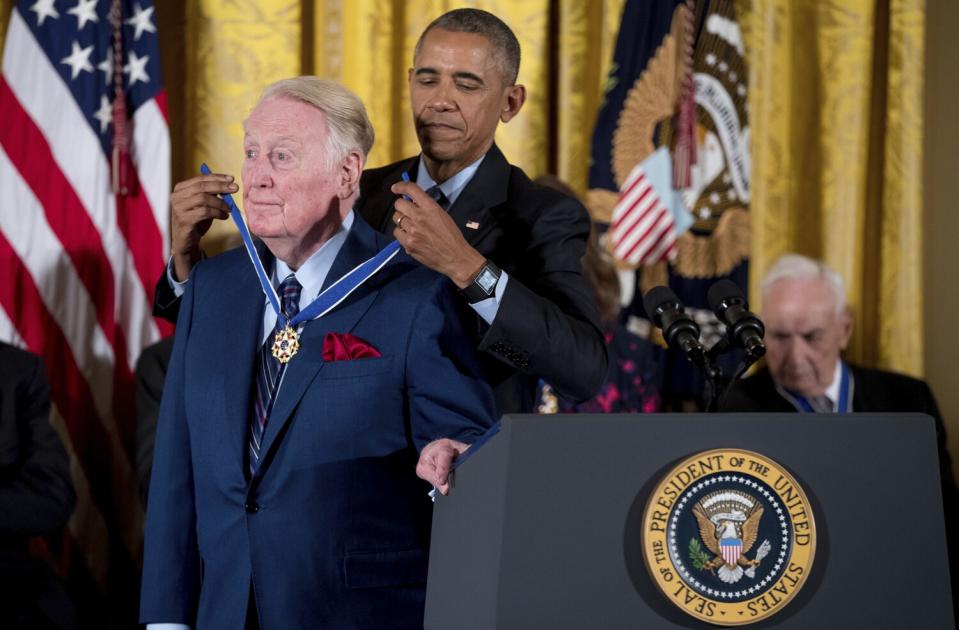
845 323
515 97
349 174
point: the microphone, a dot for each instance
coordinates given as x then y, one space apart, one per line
680 331
745 329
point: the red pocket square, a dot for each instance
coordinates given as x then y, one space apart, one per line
344 347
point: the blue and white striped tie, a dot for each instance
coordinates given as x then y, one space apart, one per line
270 371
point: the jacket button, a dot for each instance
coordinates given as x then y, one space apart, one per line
252 508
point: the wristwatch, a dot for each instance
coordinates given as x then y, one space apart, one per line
484 283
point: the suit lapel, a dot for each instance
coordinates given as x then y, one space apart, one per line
376 198
486 190
241 347
360 245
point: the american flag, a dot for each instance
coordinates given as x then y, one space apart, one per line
78 260
643 230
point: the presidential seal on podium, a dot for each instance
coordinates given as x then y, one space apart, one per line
729 536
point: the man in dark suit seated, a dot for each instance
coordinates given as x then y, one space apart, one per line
293 424
36 495
512 247
808 325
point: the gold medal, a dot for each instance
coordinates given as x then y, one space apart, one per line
285 345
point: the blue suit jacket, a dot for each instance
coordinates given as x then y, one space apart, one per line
333 530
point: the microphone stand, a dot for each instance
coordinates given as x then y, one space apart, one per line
714 373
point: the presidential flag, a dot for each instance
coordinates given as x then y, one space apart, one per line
677 84
84 190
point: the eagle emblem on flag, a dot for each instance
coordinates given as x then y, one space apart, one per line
729 526
689 100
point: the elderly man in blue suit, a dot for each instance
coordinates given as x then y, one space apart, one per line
284 490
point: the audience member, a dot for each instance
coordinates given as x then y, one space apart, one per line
36 495
633 375
808 325
150 374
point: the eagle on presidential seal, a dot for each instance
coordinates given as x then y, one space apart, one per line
729 526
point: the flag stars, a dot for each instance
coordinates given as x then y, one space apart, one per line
86 11
78 60
44 9
104 114
106 66
136 68
141 21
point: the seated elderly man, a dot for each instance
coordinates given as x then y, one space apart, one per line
284 491
808 325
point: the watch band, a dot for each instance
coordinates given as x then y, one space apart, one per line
484 282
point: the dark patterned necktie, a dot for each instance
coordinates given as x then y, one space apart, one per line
439 197
821 404
269 371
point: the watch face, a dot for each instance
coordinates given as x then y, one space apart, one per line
486 280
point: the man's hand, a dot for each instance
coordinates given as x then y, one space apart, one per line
429 235
194 204
436 462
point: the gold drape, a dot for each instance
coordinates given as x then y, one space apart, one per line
836 115
217 57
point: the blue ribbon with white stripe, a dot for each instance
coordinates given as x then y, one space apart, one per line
330 297
803 405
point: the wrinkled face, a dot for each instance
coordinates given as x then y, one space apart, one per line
458 96
288 187
804 334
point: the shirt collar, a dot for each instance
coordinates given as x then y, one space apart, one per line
312 274
833 390
451 187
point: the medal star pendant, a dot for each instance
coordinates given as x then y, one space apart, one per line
285 345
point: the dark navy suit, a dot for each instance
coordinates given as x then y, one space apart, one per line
333 529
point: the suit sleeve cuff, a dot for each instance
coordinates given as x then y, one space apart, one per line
178 288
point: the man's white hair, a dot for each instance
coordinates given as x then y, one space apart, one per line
798 267
348 125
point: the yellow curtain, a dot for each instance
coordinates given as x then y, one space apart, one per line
835 115
219 55
836 99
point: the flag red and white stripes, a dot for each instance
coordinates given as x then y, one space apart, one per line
78 262
642 231
731 548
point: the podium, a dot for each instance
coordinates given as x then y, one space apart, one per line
543 527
